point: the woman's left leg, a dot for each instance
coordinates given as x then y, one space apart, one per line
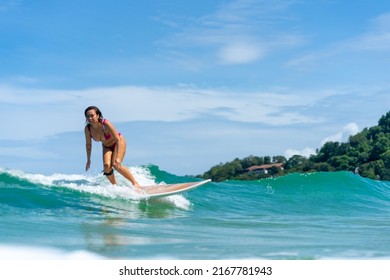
118 166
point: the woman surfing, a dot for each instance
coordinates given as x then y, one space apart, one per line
113 144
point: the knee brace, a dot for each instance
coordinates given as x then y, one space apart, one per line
109 173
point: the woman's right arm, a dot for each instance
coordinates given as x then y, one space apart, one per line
88 147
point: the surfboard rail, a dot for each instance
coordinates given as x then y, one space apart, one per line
171 189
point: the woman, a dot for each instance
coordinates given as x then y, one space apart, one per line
114 145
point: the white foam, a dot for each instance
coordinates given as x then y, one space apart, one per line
17 252
179 201
48 179
141 174
99 185
110 191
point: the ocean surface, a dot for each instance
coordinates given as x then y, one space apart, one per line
299 216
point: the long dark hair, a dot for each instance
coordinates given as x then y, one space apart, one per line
96 110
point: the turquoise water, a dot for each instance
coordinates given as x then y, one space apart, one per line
311 216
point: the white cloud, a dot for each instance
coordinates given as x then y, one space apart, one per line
374 42
22 96
9 5
240 53
342 136
244 123
239 32
377 38
306 152
26 152
333 138
46 112
350 129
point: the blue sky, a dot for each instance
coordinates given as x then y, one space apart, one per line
189 83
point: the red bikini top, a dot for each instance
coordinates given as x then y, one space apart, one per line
106 136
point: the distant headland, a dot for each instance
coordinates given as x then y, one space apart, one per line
367 153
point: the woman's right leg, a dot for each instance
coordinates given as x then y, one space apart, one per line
107 165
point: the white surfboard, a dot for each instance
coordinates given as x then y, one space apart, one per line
170 189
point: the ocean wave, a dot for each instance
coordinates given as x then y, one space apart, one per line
95 185
298 216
